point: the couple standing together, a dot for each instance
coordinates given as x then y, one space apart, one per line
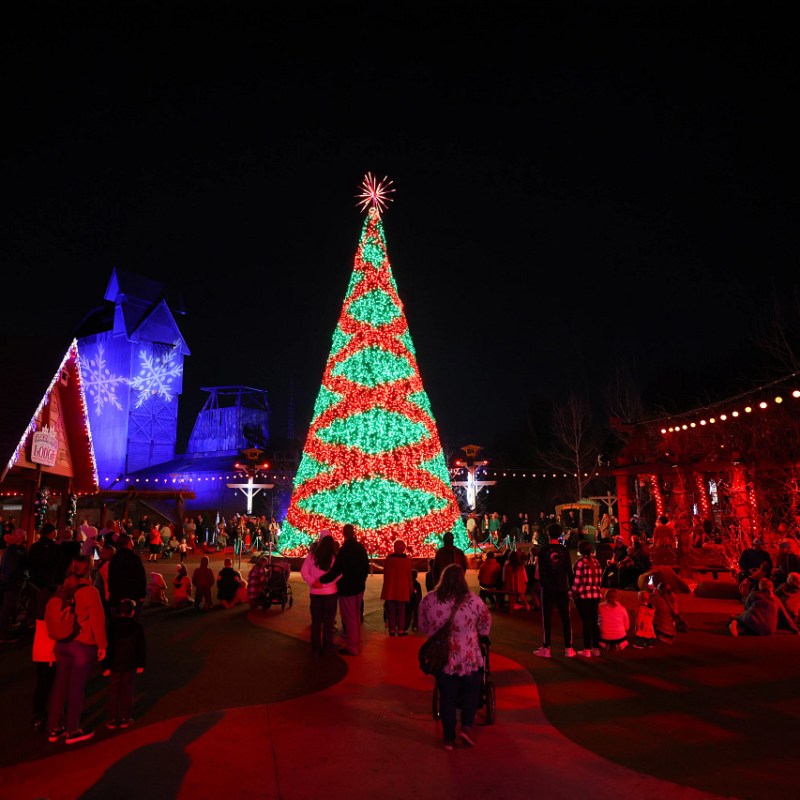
335 573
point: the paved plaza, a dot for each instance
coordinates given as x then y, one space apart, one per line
232 705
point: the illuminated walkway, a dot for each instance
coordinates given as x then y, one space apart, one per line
236 721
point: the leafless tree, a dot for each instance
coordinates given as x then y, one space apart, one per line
622 397
575 442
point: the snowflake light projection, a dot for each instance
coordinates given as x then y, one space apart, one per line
99 384
156 375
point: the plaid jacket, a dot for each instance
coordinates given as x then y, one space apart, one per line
588 573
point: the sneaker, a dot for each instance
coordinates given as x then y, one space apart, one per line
466 737
569 652
125 723
449 745
542 652
54 736
79 736
622 645
733 627
596 652
585 653
112 724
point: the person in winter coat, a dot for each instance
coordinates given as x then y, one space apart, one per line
203 581
319 560
124 660
460 681
76 658
397 588
352 563
127 577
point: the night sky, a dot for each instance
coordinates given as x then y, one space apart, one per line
576 190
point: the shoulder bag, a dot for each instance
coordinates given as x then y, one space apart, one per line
435 650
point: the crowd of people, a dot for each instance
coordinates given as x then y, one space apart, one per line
102 577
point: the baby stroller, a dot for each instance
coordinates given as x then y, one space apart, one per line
277 588
487 700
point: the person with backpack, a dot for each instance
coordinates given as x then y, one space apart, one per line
76 621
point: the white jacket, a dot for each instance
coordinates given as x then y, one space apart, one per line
310 572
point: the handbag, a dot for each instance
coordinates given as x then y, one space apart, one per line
680 623
435 650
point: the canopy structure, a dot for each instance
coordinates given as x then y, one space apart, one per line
581 506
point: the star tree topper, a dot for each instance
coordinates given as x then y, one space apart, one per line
374 193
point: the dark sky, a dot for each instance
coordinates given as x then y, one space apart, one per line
579 186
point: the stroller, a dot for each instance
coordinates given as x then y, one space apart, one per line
487 699
277 588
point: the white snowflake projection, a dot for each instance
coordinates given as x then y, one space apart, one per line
156 375
99 383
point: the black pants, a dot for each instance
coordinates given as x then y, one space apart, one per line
560 601
587 608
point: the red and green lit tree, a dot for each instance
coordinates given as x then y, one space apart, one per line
373 456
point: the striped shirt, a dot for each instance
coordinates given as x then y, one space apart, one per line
588 574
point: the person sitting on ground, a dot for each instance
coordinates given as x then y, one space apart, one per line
750 582
787 561
203 580
789 594
489 578
181 587
156 591
227 584
613 620
619 553
644 630
762 609
665 604
257 582
636 561
752 558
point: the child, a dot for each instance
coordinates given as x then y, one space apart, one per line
203 580
182 548
613 620
181 587
413 603
124 661
644 632
157 590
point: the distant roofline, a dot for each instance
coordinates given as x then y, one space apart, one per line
231 389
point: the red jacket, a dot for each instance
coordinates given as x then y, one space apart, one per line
397 580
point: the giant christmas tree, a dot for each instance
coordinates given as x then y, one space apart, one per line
373 456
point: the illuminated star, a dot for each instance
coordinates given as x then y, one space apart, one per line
374 193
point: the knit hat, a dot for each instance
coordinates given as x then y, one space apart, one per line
323 533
